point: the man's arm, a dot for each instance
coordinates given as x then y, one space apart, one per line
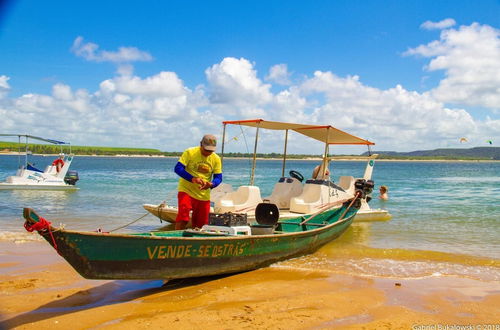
180 169
217 180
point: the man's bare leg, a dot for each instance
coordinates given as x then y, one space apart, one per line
180 225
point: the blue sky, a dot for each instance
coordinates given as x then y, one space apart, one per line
407 75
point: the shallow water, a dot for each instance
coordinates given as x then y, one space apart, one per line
449 212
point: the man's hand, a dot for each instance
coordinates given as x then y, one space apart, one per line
202 183
206 185
198 181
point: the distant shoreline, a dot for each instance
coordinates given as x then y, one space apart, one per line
347 159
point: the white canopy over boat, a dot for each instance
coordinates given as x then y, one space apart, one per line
326 134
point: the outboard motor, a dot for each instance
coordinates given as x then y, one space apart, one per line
71 177
364 187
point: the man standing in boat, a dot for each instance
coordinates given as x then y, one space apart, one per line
200 169
59 162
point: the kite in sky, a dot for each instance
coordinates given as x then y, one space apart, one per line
462 140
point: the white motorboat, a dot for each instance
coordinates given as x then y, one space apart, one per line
28 177
168 212
289 196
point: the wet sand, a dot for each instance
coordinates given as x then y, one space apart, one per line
39 290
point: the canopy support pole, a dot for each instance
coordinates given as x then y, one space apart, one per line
325 156
26 153
223 141
284 154
19 151
254 157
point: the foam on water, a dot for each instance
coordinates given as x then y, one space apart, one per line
392 268
19 238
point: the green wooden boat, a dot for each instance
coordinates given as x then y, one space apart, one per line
190 253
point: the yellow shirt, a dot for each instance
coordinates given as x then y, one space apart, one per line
199 166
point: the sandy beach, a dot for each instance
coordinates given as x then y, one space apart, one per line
39 290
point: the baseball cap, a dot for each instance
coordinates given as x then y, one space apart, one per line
209 142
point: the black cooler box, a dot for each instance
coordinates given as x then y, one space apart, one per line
227 219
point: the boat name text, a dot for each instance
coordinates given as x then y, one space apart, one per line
203 251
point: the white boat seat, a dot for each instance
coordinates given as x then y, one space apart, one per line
283 191
243 200
220 191
317 194
50 169
347 183
314 195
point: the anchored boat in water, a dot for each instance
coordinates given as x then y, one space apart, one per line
290 194
53 177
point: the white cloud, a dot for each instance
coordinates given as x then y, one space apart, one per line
62 92
394 118
444 24
4 86
4 82
162 84
470 57
279 74
234 82
90 52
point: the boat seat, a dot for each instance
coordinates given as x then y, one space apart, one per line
315 194
347 183
244 199
50 169
220 191
283 191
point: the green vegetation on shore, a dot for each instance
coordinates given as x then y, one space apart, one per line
478 153
78 150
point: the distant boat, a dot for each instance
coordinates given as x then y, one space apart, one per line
28 177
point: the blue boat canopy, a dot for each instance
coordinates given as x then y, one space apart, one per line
36 138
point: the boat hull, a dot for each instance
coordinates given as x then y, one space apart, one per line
372 215
169 255
8 186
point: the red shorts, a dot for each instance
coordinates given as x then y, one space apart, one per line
200 209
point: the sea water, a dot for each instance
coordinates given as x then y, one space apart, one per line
446 215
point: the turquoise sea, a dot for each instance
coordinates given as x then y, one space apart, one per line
446 215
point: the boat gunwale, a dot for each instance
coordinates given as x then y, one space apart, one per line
214 238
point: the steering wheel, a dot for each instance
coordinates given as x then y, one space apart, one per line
296 175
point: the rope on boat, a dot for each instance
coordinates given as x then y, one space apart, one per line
323 209
39 226
356 197
128 224
162 204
